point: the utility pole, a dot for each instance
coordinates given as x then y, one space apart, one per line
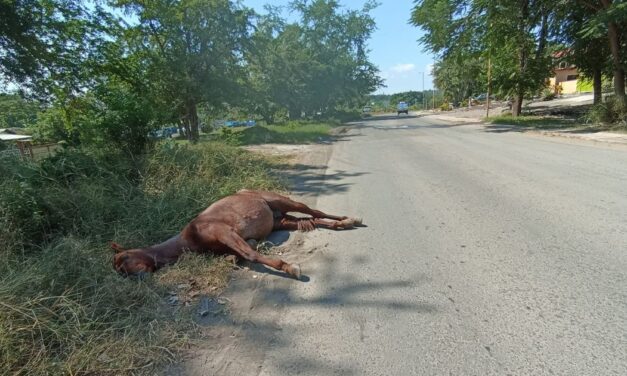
423 91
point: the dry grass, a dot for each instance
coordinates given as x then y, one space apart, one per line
193 276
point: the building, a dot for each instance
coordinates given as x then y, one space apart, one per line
566 76
19 143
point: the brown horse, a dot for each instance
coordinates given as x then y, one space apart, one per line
227 227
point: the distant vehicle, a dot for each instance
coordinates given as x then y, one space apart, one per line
482 97
234 123
367 110
163 133
402 108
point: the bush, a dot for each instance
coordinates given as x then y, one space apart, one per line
612 111
548 95
62 307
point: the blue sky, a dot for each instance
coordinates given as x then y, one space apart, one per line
394 45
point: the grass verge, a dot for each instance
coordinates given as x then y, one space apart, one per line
289 133
534 122
63 310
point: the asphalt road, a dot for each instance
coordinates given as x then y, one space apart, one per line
486 253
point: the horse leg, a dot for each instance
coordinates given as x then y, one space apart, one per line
238 245
285 205
290 223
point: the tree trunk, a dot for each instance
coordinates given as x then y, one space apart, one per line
181 126
192 118
517 104
523 56
619 71
597 83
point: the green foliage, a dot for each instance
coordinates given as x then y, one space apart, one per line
548 94
112 115
612 111
530 121
194 51
47 45
229 136
521 41
461 77
468 34
584 85
16 112
412 98
62 307
293 132
316 65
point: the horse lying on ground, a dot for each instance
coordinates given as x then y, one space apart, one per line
229 226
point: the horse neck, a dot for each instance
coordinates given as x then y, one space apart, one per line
168 251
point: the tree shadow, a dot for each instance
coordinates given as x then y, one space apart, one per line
252 325
311 180
503 128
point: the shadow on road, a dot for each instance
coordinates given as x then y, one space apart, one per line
248 323
310 180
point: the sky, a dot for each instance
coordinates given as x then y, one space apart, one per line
394 46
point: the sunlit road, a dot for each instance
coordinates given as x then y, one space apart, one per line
486 253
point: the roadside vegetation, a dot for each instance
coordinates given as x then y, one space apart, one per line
510 49
288 133
530 121
63 309
97 81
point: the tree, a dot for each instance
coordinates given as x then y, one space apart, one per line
316 65
44 43
587 51
511 34
340 73
460 77
194 49
16 112
610 18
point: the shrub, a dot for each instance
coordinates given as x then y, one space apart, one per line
548 95
612 111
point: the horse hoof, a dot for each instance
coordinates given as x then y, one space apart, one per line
294 270
347 223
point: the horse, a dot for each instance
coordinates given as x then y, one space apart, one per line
230 226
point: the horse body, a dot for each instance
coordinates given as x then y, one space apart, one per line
226 226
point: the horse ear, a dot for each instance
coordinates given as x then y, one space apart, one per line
116 247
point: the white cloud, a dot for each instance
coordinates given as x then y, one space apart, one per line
403 68
429 69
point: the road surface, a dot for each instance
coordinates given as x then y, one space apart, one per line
487 252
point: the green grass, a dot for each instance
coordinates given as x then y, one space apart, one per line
63 310
289 133
535 122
